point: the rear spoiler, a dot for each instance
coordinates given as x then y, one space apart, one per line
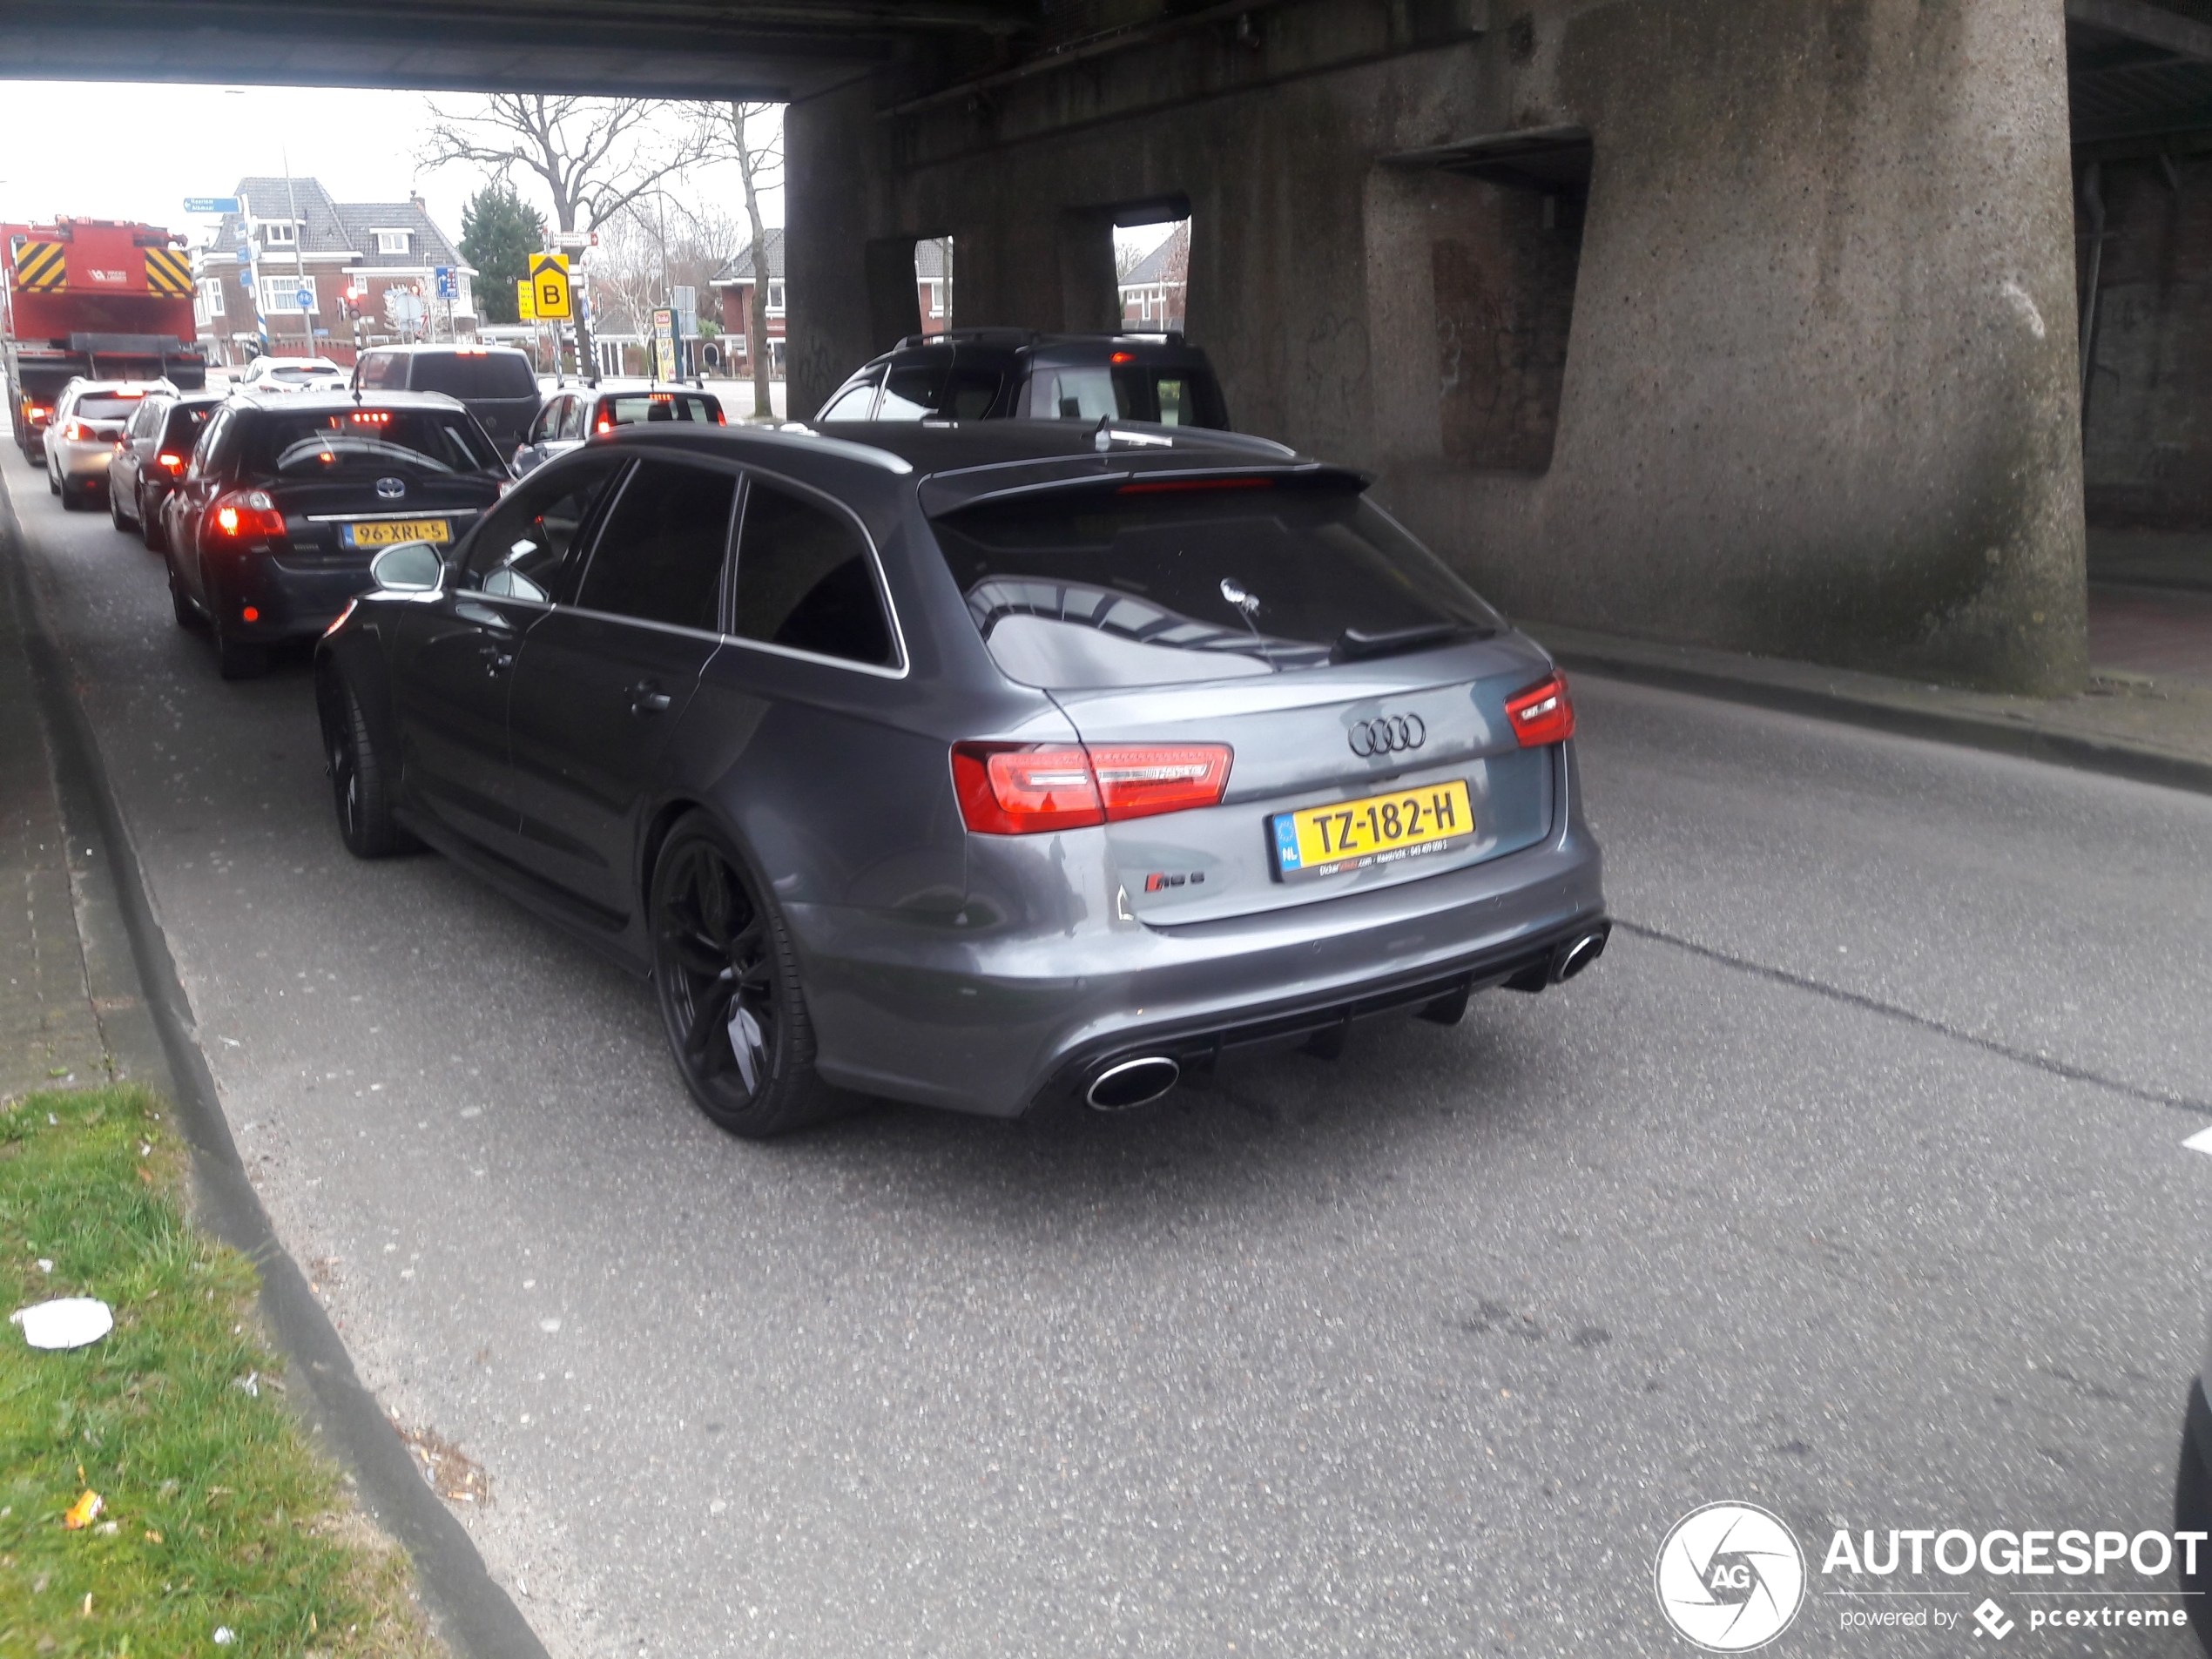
948 493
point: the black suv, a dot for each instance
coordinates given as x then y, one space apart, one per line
1010 373
497 382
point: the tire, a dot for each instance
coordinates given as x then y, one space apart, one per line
54 486
236 660
115 512
150 529
361 779
187 614
721 951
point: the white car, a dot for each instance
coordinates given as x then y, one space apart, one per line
88 422
292 375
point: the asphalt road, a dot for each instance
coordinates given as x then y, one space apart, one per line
1850 1184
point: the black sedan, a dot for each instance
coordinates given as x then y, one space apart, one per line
287 498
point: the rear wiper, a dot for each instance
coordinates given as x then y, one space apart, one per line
1355 645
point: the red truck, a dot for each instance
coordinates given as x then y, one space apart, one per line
94 297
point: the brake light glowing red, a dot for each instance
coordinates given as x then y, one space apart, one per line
1028 789
173 461
1543 713
605 425
1162 486
75 431
370 418
1123 357
247 514
720 418
251 613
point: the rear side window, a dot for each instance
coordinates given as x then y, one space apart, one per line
1157 581
147 420
806 581
466 374
660 557
851 403
1183 396
571 418
384 371
913 390
338 442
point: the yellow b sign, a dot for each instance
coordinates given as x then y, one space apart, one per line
526 301
549 285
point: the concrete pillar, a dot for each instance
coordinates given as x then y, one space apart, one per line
836 182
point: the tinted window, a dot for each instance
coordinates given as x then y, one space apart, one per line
660 557
1177 396
207 456
913 390
572 417
106 405
630 408
549 420
466 374
519 548
383 371
186 420
147 421
805 580
338 442
1094 589
974 391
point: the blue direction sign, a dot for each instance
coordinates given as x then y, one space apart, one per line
246 280
448 288
246 253
210 204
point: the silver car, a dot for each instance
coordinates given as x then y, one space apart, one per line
89 417
972 765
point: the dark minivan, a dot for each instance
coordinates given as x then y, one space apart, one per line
1011 373
496 382
288 496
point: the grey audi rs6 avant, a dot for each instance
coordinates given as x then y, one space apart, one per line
973 765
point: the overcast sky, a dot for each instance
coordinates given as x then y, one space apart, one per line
83 150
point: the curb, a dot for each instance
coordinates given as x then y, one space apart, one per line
154 1034
1629 661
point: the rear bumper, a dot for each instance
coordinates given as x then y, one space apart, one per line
294 602
917 1011
79 463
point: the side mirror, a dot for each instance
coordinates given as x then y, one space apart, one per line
412 567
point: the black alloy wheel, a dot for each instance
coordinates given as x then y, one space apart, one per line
728 985
360 780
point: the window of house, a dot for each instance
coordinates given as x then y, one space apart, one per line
933 282
806 581
282 293
393 241
278 233
211 294
775 298
936 299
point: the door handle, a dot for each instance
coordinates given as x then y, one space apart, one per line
647 697
497 660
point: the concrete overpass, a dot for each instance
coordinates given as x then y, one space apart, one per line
1757 326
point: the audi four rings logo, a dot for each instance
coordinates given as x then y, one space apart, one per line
1392 734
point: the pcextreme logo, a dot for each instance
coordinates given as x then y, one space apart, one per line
1730 1577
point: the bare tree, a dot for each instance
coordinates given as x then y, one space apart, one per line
752 136
595 156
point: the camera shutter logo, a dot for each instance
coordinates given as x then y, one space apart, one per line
1390 734
1730 1577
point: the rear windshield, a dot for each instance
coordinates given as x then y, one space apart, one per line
185 423
1173 396
106 407
475 374
341 441
302 376
628 409
1238 577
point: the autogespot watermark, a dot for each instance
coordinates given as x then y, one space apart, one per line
1731 1577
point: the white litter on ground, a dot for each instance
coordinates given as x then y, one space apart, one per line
70 1322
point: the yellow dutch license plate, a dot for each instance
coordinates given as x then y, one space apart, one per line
1415 822
390 532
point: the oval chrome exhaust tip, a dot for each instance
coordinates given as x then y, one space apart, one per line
1577 956
1132 1082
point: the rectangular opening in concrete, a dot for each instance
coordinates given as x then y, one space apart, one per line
934 283
1505 218
1152 270
2140 85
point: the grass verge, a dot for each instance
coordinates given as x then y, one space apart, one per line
217 1515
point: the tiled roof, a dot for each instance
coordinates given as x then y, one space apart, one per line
328 226
740 269
1153 268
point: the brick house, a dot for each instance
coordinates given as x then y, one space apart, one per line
733 282
1155 290
372 250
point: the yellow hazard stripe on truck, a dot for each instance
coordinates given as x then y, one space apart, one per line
41 267
168 271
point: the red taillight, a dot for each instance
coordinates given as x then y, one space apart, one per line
246 516
119 446
605 425
75 431
1028 789
1123 357
720 418
38 414
1543 713
173 463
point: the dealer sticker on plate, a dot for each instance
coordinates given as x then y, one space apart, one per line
1379 829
